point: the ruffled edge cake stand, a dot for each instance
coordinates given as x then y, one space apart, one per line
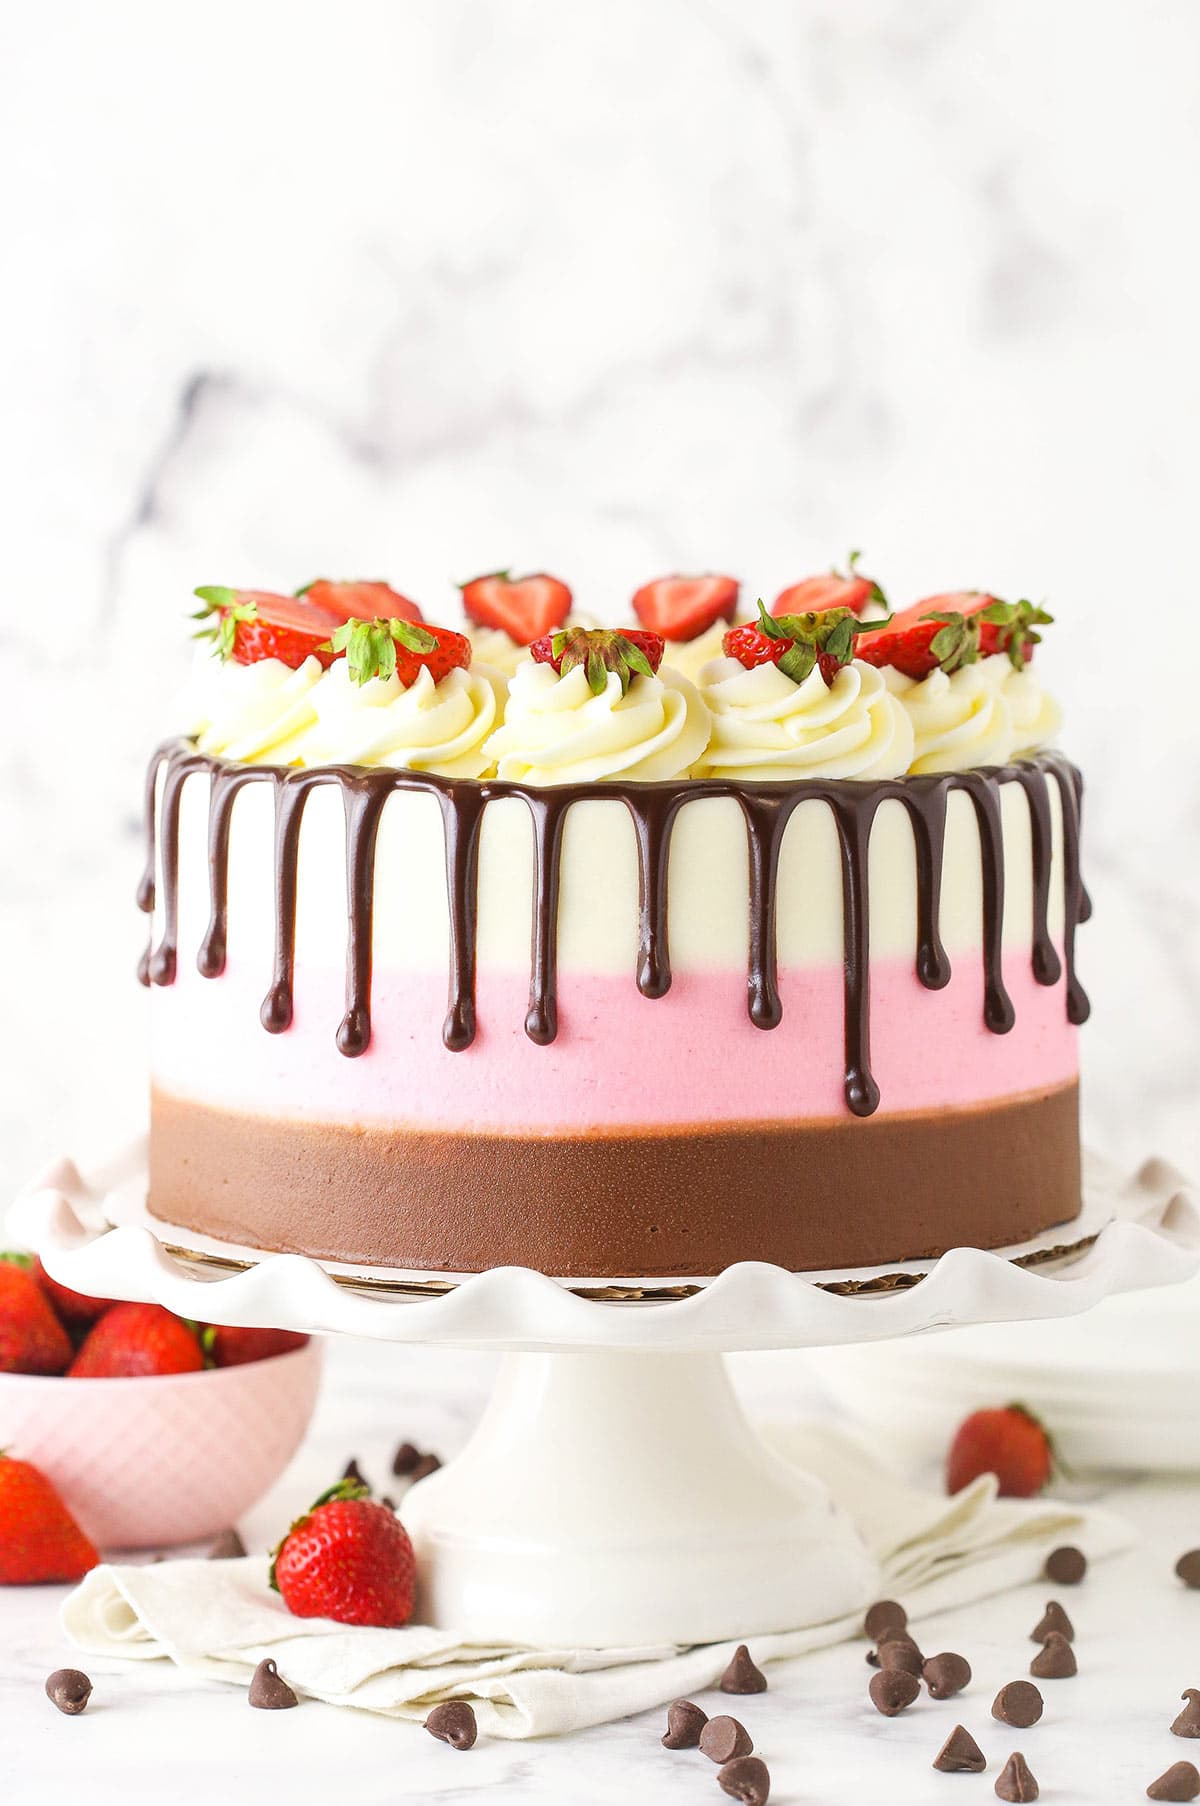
614 1494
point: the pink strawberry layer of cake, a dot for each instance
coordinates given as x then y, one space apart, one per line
451 972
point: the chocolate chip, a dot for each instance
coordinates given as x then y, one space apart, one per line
892 1689
1066 1567
946 1674
405 1458
742 1676
1188 1568
1053 1619
388 1500
453 1722
960 1754
428 1464
1188 1722
1019 1703
1056 1660
1015 1781
1180 1782
69 1689
746 1779
684 1725
227 1547
901 1652
352 1471
269 1690
723 1739
884 1616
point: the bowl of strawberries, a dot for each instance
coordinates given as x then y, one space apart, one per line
153 1430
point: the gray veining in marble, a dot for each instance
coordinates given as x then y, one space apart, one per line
427 287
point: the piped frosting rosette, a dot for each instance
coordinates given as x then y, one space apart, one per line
689 657
765 726
557 731
259 713
266 712
982 714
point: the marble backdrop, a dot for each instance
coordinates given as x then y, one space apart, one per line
428 287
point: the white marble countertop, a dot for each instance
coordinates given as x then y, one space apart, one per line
149 1733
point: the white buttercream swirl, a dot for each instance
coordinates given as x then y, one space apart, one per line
556 731
689 657
267 712
492 646
258 713
981 714
1035 716
766 726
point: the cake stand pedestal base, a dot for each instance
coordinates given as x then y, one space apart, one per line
619 1499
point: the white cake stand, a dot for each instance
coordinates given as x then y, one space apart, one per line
614 1494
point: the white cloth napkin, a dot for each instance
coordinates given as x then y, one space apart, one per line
219 1619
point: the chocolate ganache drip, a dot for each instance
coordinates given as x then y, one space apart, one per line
653 809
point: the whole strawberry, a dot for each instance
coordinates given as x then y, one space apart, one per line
132 1340
627 652
348 1558
75 1309
226 1346
32 1340
39 1539
1008 1442
402 649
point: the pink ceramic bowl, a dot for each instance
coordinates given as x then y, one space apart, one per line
170 1458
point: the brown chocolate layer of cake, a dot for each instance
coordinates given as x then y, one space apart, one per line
626 1203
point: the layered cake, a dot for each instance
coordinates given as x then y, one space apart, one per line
616 963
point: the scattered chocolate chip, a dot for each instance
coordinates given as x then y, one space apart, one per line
960 1754
1019 1703
892 1689
1015 1781
742 1676
388 1500
269 1690
946 1674
1066 1567
1053 1619
1188 1568
901 1652
405 1458
684 1725
1188 1722
453 1722
723 1739
428 1464
69 1689
1055 1661
885 1616
1180 1782
227 1547
746 1779
352 1471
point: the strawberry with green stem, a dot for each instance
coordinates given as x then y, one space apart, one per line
249 625
626 652
360 601
348 1558
949 631
32 1340
398 648
835 589
797 644
1009 1442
